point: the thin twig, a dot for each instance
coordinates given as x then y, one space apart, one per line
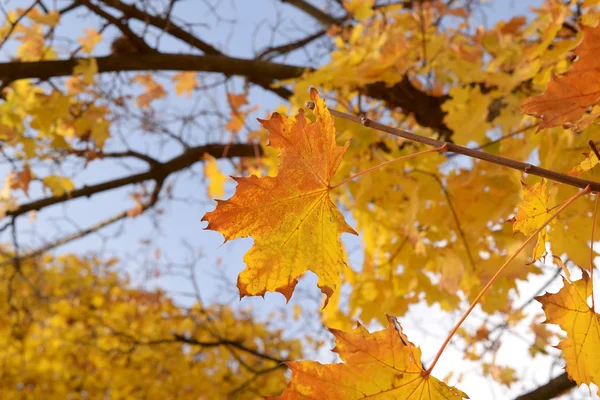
497 274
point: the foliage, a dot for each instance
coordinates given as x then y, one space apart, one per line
135 99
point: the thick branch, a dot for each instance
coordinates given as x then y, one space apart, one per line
158 172
454 148
425 108
554 388
253 69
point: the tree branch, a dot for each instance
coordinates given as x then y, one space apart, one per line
321 16
157 172
164 24
454 148
252 69
554 388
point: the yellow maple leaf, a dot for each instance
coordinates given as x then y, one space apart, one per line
295 225
532 213
569 309
362 9
383 364
216 178
59 185
50 19
88 67
185 82
466 113
91 39
588 163
568 97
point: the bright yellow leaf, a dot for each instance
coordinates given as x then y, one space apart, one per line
50 19
532 213
295 225
215 177
185 82
382 365
59 185
361 9
570 310
590 162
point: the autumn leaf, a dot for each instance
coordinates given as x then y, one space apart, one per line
588 163
185 82
532 213
362 9
91 39
59 185
88 67
295 225
51 19
215 177
570 310
568 97
383 364
153 90
23 178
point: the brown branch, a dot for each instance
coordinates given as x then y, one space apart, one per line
454 148
137 41
232 343
252 69
157 173
554 388
321 16
164 24
168 26
289 47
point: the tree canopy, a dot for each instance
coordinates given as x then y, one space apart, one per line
432 162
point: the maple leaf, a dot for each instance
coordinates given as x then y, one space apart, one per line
362 9
185 82
91 39
588 163
216 178
568 97
153 91
532 213
295 225
383 364
569 309
59 185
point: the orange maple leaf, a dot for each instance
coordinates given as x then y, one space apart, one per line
295 225
383 364
569 309
569 96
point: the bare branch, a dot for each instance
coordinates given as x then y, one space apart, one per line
321 16
158 173
554 388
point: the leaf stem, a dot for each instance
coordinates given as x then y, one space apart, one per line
592 249
487 286
473 153
437 149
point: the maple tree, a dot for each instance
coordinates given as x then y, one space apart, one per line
416 159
